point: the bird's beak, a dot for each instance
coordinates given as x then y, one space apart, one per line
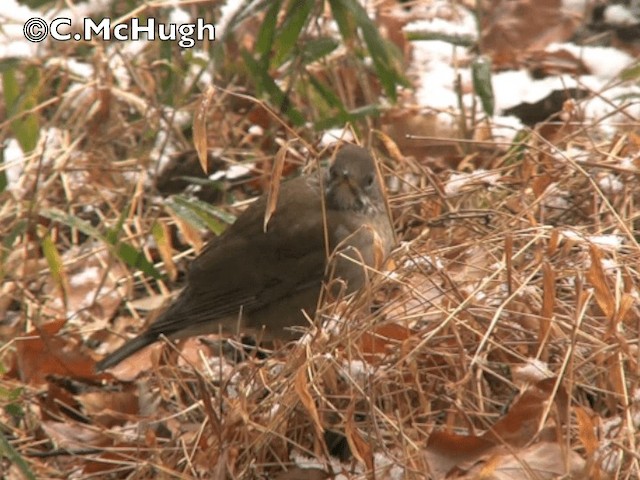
347 180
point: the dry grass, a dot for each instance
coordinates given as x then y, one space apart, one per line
524 269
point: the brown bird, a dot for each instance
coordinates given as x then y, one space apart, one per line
263 280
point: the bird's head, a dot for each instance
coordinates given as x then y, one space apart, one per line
352 182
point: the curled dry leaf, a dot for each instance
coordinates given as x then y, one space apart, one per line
587 426
274 184
383 339
378 249
302 389
390 145
541 461
190 233
512 434
162 236
200 128
360 448
598 279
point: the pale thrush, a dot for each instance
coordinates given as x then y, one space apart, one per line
249 279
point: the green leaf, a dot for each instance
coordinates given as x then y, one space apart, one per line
10 395
295 19
7 244
345 22
158 233
7 450
330 118
250 9
10 88
54 261
350 116
135 258
20 97
3 173
204 182
15 410
460 40
316 48
519 147
200 214
113 233
481 73
631 73
268 86
267 33
72 222
378 48
327 94
126 252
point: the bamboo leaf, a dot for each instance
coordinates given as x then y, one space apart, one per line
21 96
295 19
54 261
481 73
200 214
377 47
7 451
268 86
128 253
267 33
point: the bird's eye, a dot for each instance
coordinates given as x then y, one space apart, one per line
369 180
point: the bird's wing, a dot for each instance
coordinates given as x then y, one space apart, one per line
247 268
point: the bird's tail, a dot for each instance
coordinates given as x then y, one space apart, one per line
126 350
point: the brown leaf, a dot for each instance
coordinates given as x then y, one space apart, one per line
542 461
70 435
200 128
274 184
511 27
112 408
587 431
445 450
539 184
361 450
140 362
503 444
378 248
302 389
41 353
390 145
548 306
554 241
627 301
189 232
516 429
383 338
524 420
596 276
162 236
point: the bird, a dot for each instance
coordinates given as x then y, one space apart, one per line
331 228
